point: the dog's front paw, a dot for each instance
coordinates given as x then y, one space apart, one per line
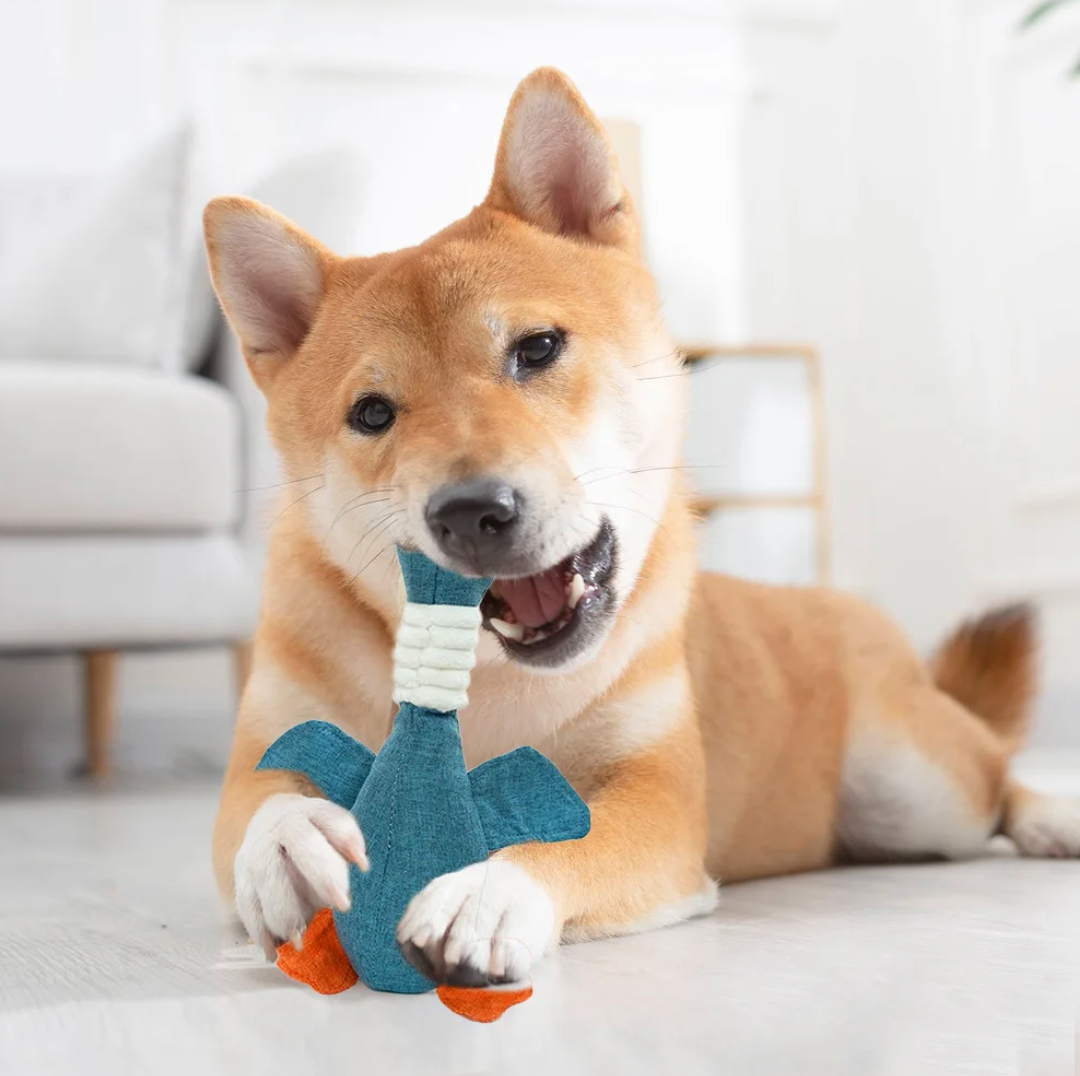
294 860
488 923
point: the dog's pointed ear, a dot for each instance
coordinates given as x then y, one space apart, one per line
270 277
556 168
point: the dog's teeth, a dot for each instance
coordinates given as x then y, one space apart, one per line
577 589
508 631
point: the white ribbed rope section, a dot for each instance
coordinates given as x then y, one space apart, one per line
435 651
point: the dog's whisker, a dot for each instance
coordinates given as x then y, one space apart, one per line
355 504
382 518
280 485
687 369
677 467
663 377
629 488
378 527
293 504
592 470
674 353
388 568
348 512
381 552
615 472
628 508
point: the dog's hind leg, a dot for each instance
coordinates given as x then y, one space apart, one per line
922 777
926 767
932 780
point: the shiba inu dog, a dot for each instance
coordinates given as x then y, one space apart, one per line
506 398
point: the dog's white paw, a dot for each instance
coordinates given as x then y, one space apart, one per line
294 860
488 923
1047 826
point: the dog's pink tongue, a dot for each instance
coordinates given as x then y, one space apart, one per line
536 599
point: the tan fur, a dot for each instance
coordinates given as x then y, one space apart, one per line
989 665
722 726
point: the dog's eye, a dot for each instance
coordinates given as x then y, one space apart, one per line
371 414
539 349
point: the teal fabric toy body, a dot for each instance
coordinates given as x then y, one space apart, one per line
421 812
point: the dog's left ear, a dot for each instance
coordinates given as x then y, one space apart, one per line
556 167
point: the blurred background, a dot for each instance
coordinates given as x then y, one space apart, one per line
881 193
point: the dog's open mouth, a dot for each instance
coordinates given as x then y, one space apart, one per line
548 617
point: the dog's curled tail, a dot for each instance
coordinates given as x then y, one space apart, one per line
991 665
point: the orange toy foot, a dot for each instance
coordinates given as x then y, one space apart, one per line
482 1004
322 963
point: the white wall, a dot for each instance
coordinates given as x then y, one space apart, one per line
913 169
418 90
892 181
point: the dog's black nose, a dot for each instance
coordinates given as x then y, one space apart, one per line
473 518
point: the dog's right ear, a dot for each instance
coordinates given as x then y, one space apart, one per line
270 277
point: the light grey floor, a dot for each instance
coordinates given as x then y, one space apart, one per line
115 958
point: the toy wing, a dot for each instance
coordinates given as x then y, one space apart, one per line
521 796
321 751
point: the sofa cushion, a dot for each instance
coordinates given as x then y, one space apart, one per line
104 270
115 449
101 590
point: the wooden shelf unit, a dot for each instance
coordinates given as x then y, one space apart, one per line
816 501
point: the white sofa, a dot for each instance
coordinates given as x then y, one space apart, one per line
125 520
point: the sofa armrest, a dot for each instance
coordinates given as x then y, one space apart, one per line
260 470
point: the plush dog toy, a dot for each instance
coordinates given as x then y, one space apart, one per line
421 812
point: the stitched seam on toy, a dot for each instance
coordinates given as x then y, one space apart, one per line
434 654
390 830
377 892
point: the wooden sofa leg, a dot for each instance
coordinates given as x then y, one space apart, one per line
242 664
101 668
